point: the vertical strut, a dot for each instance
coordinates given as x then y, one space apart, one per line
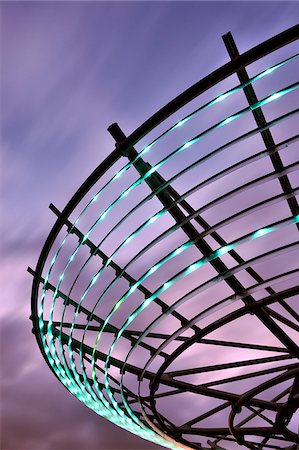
261 122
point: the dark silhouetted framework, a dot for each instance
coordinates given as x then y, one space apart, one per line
166 295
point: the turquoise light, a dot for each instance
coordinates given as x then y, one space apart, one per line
152 219
166 285
187 145
184 273
192 268
152 269
128 239
225 249
181 122
223 97
261 232
85 237
64 373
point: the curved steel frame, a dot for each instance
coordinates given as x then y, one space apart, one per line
148 419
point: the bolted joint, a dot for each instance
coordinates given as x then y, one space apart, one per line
120 137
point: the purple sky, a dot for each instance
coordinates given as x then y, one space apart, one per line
69 70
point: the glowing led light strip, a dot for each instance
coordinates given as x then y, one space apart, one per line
221 97
123 422
41 325
202 314
177 226
204 158
268 99
217 99
203 234
149 272
228 221
207 284
205 313
272 97
191 268
68 382
205 183
149 434
227 301
188 144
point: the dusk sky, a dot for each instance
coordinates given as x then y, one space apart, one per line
69 70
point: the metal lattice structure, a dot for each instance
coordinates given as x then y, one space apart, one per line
166 295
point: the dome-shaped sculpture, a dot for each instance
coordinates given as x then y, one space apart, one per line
166 295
